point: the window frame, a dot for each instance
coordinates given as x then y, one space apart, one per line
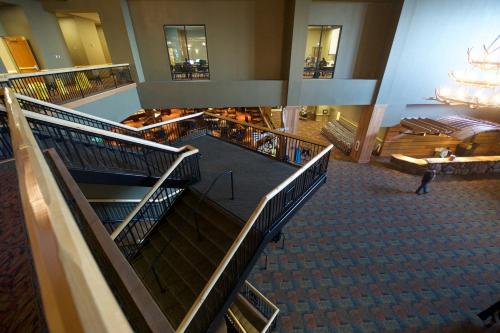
189 57
334 26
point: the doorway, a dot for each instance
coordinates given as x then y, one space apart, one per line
22 54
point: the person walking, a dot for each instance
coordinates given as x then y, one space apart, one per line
428 176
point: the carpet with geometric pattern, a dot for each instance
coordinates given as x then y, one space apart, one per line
20 308
366 254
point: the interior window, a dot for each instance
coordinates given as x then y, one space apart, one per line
321 51
187 52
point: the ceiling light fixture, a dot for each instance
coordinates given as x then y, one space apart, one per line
479 86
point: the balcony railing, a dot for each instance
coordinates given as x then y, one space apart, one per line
66 85
165 132
278 145
282 146
318 73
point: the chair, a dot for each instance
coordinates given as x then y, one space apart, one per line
83 80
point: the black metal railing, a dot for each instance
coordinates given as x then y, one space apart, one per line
5 142
120 277
281 146
113 213
278 145
318 73
263 228
175 131
261 304
61 87
58 112
88 151
196 72
165 133
146 216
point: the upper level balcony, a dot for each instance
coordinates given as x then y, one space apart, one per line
61 86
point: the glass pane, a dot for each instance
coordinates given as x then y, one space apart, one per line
321 51
313 50
329 43
197 48
177 46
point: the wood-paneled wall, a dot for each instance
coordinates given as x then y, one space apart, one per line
414 145
489 143
423 146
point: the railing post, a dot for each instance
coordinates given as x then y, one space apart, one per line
114 77
232 186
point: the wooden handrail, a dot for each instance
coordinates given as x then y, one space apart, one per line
63 70
153 189
268 302
74 293
136 297
170 121
241 236
265 129
235 320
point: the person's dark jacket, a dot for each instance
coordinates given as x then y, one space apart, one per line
428 176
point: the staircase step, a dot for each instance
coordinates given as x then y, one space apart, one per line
169 301
186 262
186 242
216 235
213 213
168 275
181 262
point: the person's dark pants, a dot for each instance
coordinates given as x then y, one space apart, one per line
422 186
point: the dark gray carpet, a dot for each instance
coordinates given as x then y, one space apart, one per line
254 174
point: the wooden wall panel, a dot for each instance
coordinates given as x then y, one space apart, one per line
414 145
423 146
489 143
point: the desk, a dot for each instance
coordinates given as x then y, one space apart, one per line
458 166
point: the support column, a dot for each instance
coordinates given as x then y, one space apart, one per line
368 127
298 45
290 118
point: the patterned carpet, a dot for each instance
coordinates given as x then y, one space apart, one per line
366 254
20 309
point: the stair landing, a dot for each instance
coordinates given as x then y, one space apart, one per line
254 174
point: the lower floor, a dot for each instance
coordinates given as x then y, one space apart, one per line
20 303
366 254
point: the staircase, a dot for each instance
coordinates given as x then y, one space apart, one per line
192 256
182 262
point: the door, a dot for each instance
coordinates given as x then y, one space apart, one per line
22 54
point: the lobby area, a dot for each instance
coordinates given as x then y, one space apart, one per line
250 166
368 255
